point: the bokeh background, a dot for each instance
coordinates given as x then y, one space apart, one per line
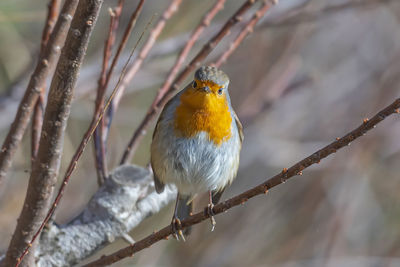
311 72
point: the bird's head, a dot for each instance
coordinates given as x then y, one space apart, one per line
208 90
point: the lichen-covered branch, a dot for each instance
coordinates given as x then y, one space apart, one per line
123 201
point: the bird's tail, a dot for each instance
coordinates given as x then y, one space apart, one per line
184 208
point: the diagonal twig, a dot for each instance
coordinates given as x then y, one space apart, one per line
204 52
247 29
125 37
37 81
263 188
205 22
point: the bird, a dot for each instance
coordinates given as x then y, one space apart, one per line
196 144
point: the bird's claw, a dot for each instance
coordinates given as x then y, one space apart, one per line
211 213
177 229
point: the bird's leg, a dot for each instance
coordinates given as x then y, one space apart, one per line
210 211
176 223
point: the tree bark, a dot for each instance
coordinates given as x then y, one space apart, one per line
36 82
46 167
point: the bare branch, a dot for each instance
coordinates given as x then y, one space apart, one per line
178 64
53 9
257 190
300 16
205 22
100 135
52 15
125 37
204 52
99 148
247 29
174 71
46 166
168 13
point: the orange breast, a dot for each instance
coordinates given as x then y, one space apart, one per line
203 112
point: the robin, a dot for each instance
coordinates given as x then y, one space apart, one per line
196 144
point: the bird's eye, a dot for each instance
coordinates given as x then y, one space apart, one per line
220 91
194 84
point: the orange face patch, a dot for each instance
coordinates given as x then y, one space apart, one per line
204 110
213 86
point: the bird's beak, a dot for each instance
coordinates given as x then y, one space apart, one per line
206 89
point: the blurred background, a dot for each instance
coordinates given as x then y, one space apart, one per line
311 71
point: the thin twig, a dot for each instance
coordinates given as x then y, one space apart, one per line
37 81
81 148
37 122
125 37
155 32
99 148
257 190
204 52
205 22
299 16
104 129
46 166
52 15
247 29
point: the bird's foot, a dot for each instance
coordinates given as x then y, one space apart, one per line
177 229
210 212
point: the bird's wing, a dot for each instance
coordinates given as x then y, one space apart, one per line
239 127
159 185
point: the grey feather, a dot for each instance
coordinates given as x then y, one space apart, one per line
158 184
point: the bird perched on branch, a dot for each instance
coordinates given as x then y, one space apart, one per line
196 143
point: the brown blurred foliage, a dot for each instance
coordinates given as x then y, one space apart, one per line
310 72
